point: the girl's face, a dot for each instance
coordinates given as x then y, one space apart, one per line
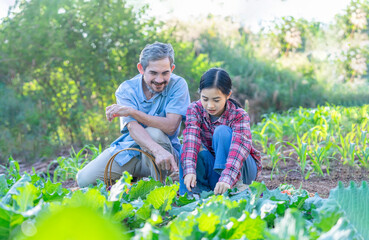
214 101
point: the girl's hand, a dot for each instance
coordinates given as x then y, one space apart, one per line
221 188
190 181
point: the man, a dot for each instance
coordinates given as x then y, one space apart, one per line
151 107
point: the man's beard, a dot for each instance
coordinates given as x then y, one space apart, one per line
152 91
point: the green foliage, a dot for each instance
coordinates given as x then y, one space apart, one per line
315 138
352 201
34 208
79 222
161 198
68 167
61 63
252 73
142 188
355 18
290 34
120 187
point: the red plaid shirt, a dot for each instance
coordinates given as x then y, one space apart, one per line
199 130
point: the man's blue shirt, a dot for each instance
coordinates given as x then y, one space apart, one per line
173 99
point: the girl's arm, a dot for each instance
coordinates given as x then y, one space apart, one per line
191 139
241 145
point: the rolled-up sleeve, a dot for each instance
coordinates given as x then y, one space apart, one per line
126 96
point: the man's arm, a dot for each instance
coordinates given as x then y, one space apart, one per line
164 159
168 124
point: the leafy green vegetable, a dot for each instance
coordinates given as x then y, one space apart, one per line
3 185
9 222
26 197
120 187
353 202
79 222
184 200
142 188
291 226
161 198
252 228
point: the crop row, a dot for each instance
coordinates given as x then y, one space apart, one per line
315 138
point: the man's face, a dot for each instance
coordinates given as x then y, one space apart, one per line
157 74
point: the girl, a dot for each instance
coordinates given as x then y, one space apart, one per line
217 145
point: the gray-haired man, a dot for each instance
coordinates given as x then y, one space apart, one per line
151 107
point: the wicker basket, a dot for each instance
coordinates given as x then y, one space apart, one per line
107 173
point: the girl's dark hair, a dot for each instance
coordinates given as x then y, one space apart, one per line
218 78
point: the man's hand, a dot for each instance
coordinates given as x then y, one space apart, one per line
116 110
221 188
164 160
190 181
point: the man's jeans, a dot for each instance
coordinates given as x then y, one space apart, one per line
209 168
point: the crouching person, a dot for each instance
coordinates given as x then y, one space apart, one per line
151 107
217 142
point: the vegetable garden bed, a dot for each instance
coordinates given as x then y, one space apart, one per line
305 153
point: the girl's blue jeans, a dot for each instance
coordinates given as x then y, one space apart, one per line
209 167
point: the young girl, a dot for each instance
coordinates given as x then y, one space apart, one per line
217 145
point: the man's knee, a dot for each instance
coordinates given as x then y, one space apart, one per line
84 179
157 135
93 170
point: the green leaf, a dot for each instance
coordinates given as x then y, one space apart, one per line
127 211
162 197
9 220
184 200
142 188
120 187
205 194
327 215
3 185
269 210
144 212
26 197
291 226
37 181
246 194
181 227
275 195
256 189
313 203
53 191
342 230
148 232
13 190
175 211
353 201
208 222
155 218
100 185
91 198
298 201
245 226
76 222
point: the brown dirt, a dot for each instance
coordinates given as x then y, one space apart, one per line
289 174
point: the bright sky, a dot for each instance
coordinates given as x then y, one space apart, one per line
251 12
